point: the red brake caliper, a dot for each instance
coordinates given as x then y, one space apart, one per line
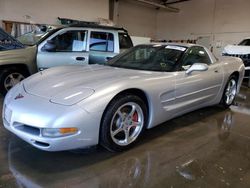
135 117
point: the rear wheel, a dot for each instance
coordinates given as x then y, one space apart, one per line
9 78
229 93
123 123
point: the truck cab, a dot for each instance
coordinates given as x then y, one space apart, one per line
77 44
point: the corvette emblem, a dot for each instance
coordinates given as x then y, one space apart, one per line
19 96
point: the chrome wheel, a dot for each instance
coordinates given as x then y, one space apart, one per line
12 79
230 91
126 124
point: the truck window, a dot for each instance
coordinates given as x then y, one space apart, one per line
70 41
101 41
125 41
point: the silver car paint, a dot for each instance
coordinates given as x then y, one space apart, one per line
69 117
169 94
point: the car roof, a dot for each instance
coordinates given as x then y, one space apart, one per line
246 38
187 45
96 26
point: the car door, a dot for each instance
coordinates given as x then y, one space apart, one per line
65 47
199 87
102 46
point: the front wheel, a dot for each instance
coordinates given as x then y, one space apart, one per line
123 122
9 78
229 93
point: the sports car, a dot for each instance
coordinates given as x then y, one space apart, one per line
71 107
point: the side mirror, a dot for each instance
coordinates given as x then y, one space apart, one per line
50 46
197 67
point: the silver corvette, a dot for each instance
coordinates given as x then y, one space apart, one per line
72 107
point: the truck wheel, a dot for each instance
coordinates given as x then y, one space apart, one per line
9 78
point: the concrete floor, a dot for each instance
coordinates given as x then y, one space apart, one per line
206 148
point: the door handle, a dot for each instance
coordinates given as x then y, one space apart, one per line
80 58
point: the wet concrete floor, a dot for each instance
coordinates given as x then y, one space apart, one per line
206 148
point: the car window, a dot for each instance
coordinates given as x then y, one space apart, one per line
245 42
101 41
194 55
125 41
70 41
150 57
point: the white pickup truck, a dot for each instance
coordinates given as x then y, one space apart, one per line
77 44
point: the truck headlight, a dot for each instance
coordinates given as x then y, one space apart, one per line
58 132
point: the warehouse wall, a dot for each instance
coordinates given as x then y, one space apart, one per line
221 21
47 11
138 19
1 11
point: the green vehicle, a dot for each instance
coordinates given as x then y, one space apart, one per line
77 44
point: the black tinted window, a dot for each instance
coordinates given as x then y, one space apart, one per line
125 41
148 57
70 41
195 54
101 41
245 42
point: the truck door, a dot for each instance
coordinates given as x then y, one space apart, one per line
65 47
102 46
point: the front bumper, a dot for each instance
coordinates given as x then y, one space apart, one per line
26 117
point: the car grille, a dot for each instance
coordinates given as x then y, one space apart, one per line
7 115
245 57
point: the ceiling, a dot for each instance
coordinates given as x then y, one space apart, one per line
163 4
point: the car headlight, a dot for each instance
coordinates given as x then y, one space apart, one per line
58 132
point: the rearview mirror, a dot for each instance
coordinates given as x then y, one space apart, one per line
197 67
50 46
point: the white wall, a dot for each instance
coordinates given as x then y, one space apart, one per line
191 18
138 19
225 21
47 11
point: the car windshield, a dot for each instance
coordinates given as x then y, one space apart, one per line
150 57
31 38
34 37
245 42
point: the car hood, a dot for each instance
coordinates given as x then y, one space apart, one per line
70 84
236 49
22 56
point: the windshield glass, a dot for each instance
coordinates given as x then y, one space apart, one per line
245 42
32 38
150 57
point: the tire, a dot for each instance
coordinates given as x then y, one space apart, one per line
123 122
229 93
10 77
